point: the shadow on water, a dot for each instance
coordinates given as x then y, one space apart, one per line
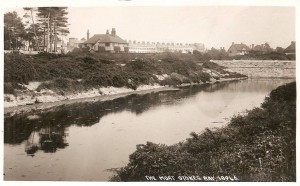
46 130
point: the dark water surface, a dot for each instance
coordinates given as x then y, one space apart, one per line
83 140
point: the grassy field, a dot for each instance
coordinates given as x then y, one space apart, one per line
259 146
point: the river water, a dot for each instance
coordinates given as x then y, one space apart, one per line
83 141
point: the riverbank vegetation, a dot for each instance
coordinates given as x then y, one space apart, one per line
76 72
258 146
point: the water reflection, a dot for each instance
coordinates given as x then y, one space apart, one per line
54 121
46 130
48 139
82 140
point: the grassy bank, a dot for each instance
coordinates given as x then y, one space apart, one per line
77 72
259 146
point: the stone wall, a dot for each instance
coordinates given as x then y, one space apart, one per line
261 68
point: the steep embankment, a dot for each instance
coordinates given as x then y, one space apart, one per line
49 77
261 68
259 146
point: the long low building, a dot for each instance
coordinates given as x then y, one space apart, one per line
111 42
152 47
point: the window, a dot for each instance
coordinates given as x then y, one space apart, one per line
107 44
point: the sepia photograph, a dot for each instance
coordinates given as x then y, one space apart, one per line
139 92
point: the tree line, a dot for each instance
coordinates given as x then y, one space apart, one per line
267 53
42 28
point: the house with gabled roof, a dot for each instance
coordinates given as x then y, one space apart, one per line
291 49
109 42
238 49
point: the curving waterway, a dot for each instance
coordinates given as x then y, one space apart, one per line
83 141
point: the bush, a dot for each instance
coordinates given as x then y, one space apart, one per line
103 69
259 146
117 49
62 85
9 88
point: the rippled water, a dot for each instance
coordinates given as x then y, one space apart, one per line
83 140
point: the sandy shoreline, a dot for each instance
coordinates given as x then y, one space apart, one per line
45 105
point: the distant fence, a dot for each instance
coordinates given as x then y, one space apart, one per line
22 52
29 52
7 51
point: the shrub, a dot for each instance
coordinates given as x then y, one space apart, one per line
10 88
259 146
62 85
117 49
102 69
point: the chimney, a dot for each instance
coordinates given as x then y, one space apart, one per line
88 35
107 31
252 46
232 43
113 32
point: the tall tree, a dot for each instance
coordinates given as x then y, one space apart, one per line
55 22
60 24
14 30
30 16
31 37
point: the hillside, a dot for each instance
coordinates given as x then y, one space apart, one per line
60 75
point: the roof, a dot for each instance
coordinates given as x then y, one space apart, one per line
239 47
291 48
104 38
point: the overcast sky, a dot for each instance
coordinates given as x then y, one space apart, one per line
215 26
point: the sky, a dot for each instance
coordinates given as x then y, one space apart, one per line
214 26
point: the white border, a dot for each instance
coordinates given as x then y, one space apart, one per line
94 3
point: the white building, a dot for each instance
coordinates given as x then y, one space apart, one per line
152 47
114 44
